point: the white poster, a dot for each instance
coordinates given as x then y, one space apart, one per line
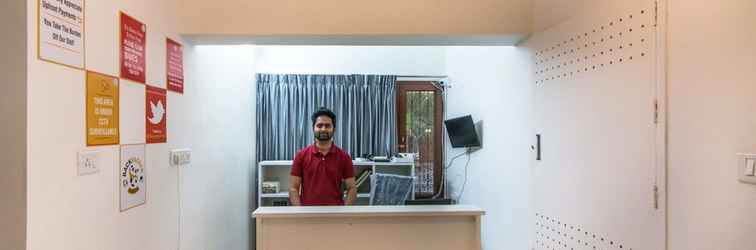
132 176
61 32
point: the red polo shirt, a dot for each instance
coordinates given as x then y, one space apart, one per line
322 175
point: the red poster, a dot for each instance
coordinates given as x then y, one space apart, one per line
175 66
133 49
156 115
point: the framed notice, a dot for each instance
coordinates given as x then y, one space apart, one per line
102 109
132 176
174 66
60 32
156 115
133 57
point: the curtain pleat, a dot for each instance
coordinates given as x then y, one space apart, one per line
365 108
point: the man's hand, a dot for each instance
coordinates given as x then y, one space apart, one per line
351 191
295 182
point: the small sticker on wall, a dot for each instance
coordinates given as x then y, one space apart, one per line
156 114
132 176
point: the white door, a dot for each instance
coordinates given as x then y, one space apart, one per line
599 183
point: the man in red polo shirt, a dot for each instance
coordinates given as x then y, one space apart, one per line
319 169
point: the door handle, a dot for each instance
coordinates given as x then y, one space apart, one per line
538 147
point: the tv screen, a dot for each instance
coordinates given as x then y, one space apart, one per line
461 132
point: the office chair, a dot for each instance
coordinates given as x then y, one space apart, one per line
389 189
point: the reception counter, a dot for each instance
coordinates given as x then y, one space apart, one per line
433 227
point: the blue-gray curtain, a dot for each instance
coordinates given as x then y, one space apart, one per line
365 108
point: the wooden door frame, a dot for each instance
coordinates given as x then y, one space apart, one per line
401 108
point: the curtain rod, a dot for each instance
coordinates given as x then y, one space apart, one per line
422 76
401 78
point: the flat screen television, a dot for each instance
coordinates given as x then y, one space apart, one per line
462 132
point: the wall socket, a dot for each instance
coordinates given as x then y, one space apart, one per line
180 157
87 162
747 168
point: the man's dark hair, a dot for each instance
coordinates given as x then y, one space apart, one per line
323 111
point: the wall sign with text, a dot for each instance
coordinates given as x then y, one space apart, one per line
156 115
102 109
133 49
60 33
174 66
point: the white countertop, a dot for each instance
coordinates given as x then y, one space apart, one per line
367 211
356 163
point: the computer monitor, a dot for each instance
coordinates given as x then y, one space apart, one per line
462 132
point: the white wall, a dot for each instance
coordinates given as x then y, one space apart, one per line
241 62
350 60
13 125
215 190
493 85
712 116
229 70
66 211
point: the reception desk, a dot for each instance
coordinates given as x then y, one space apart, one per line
432 227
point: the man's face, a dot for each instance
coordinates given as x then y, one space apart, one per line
323 128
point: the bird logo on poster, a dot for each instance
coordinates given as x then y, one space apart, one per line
104 86
158 111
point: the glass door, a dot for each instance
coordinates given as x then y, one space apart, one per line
419 120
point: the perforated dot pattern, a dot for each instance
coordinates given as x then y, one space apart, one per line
556 234
610 43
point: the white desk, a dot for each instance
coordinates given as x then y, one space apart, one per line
436 227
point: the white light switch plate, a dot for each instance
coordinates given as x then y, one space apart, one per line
179 157
750 167
87 162
746 168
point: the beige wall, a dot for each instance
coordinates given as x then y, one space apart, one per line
348 17
202 205
67 211
712 116
547 13
13 125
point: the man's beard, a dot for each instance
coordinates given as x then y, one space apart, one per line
323 136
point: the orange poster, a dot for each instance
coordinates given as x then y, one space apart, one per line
102 109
